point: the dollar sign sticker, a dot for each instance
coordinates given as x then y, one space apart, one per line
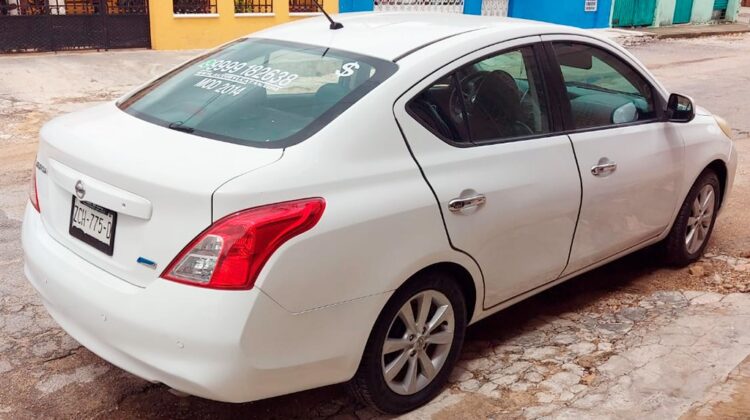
347 69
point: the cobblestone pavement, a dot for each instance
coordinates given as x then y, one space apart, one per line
629 340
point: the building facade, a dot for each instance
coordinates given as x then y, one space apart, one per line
625 13
187 24
633 13
54 25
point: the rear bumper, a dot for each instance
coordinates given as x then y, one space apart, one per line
222 345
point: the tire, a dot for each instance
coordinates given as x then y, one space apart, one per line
396 395
678 250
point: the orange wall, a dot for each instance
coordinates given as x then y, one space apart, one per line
192 32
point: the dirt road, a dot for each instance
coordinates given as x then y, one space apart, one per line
631 340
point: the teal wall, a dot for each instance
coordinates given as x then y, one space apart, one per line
702 11
563 12
733 10
664 12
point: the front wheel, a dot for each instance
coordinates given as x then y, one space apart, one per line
413 346
695 222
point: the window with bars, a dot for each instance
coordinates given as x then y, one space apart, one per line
72 7
253 6
304 6
188 7
127 7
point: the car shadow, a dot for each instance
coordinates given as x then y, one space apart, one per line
627 274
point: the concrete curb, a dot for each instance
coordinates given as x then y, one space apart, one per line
698 31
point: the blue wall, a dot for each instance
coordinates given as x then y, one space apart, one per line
565 12
356 6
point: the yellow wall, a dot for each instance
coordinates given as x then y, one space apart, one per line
173 33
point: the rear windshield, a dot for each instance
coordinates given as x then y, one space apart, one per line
259 92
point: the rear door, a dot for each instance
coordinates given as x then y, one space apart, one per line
631 160
508 187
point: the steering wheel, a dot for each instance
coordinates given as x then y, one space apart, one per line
472 83
522 129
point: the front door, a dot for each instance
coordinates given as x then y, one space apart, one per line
631 161
683 11
507 186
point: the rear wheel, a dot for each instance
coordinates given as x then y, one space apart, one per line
413 346
695 222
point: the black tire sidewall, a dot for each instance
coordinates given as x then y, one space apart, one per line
676 248
370 376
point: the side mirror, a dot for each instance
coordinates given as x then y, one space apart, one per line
680 108
627 113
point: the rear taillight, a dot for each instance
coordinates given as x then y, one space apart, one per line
231 253
33 194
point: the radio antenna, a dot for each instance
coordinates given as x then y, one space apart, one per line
334 25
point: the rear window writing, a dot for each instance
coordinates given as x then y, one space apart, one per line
259 92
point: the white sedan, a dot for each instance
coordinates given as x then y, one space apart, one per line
308 206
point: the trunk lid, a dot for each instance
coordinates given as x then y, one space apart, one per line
159 181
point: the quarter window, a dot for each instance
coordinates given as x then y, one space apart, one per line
602 89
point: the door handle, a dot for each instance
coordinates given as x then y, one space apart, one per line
604 168
458 204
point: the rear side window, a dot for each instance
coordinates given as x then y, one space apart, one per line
504 97
602 89
258 92
498 98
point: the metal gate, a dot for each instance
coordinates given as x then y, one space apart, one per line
683 10
633 13
495 7
57 25
445 6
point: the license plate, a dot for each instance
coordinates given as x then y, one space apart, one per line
93 224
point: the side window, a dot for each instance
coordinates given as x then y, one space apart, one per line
503 96
602 89
440 110
494 99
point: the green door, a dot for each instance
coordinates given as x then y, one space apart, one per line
623 13
633 13
721 4
644 13
683 10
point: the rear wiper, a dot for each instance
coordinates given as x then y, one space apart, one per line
178 126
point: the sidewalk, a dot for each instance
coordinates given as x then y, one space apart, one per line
695 31
625 37
744 15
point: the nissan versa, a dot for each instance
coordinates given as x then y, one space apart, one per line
314 205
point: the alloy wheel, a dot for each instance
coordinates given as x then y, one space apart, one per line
701 216
418 342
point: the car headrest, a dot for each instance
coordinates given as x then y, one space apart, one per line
496 108
330 93
498 96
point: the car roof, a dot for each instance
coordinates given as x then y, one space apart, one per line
391 35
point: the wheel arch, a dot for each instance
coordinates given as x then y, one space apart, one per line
720 168
463 278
